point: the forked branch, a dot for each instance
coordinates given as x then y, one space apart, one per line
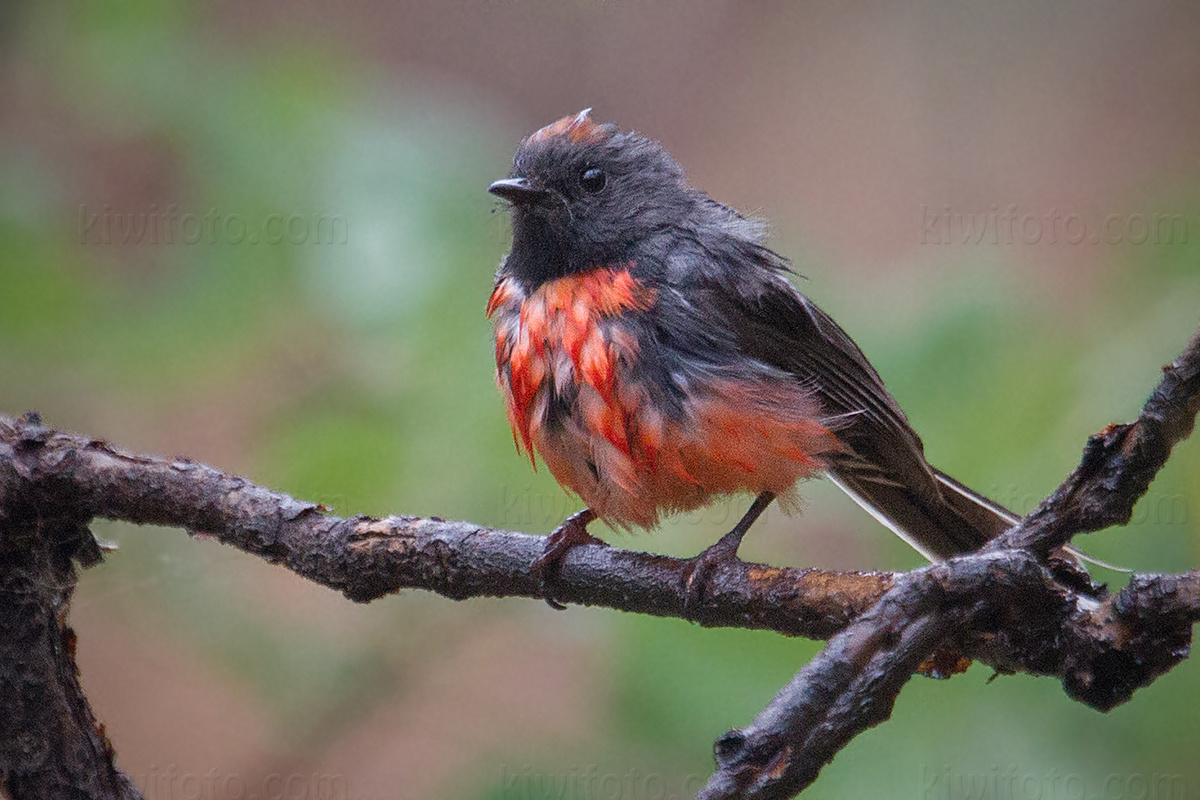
1011 605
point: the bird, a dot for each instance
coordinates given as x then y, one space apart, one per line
652 351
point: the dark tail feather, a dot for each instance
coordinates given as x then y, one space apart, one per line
944 522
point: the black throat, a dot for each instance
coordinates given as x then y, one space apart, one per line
538 255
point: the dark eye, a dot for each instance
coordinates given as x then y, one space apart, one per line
592 179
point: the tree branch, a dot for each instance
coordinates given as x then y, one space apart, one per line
366 558
1005 605
1118 463
1011 605
53 484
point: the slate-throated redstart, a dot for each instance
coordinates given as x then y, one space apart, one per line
652 351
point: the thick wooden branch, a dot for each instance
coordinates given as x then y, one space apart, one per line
1009 605
50 742
1005 605
53 484
366 558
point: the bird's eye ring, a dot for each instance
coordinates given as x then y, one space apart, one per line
592 180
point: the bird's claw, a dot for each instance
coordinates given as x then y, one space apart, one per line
698 571
562 540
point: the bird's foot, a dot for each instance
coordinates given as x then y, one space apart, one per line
561 540
698 570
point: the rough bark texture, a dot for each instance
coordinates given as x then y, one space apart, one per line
50 742
1013 605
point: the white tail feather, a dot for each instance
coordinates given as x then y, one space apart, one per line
1013 519
877 514
963 491
979 500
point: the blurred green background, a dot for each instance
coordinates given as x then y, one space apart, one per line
306 309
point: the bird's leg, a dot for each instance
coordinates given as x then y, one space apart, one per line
699 569
560 541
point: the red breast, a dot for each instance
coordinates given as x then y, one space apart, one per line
628 459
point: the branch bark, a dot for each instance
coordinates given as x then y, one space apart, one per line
1006 605
50 742
1010 605
365 558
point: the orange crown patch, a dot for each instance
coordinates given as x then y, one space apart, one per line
578 128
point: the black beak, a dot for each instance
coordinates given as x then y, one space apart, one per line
517 190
